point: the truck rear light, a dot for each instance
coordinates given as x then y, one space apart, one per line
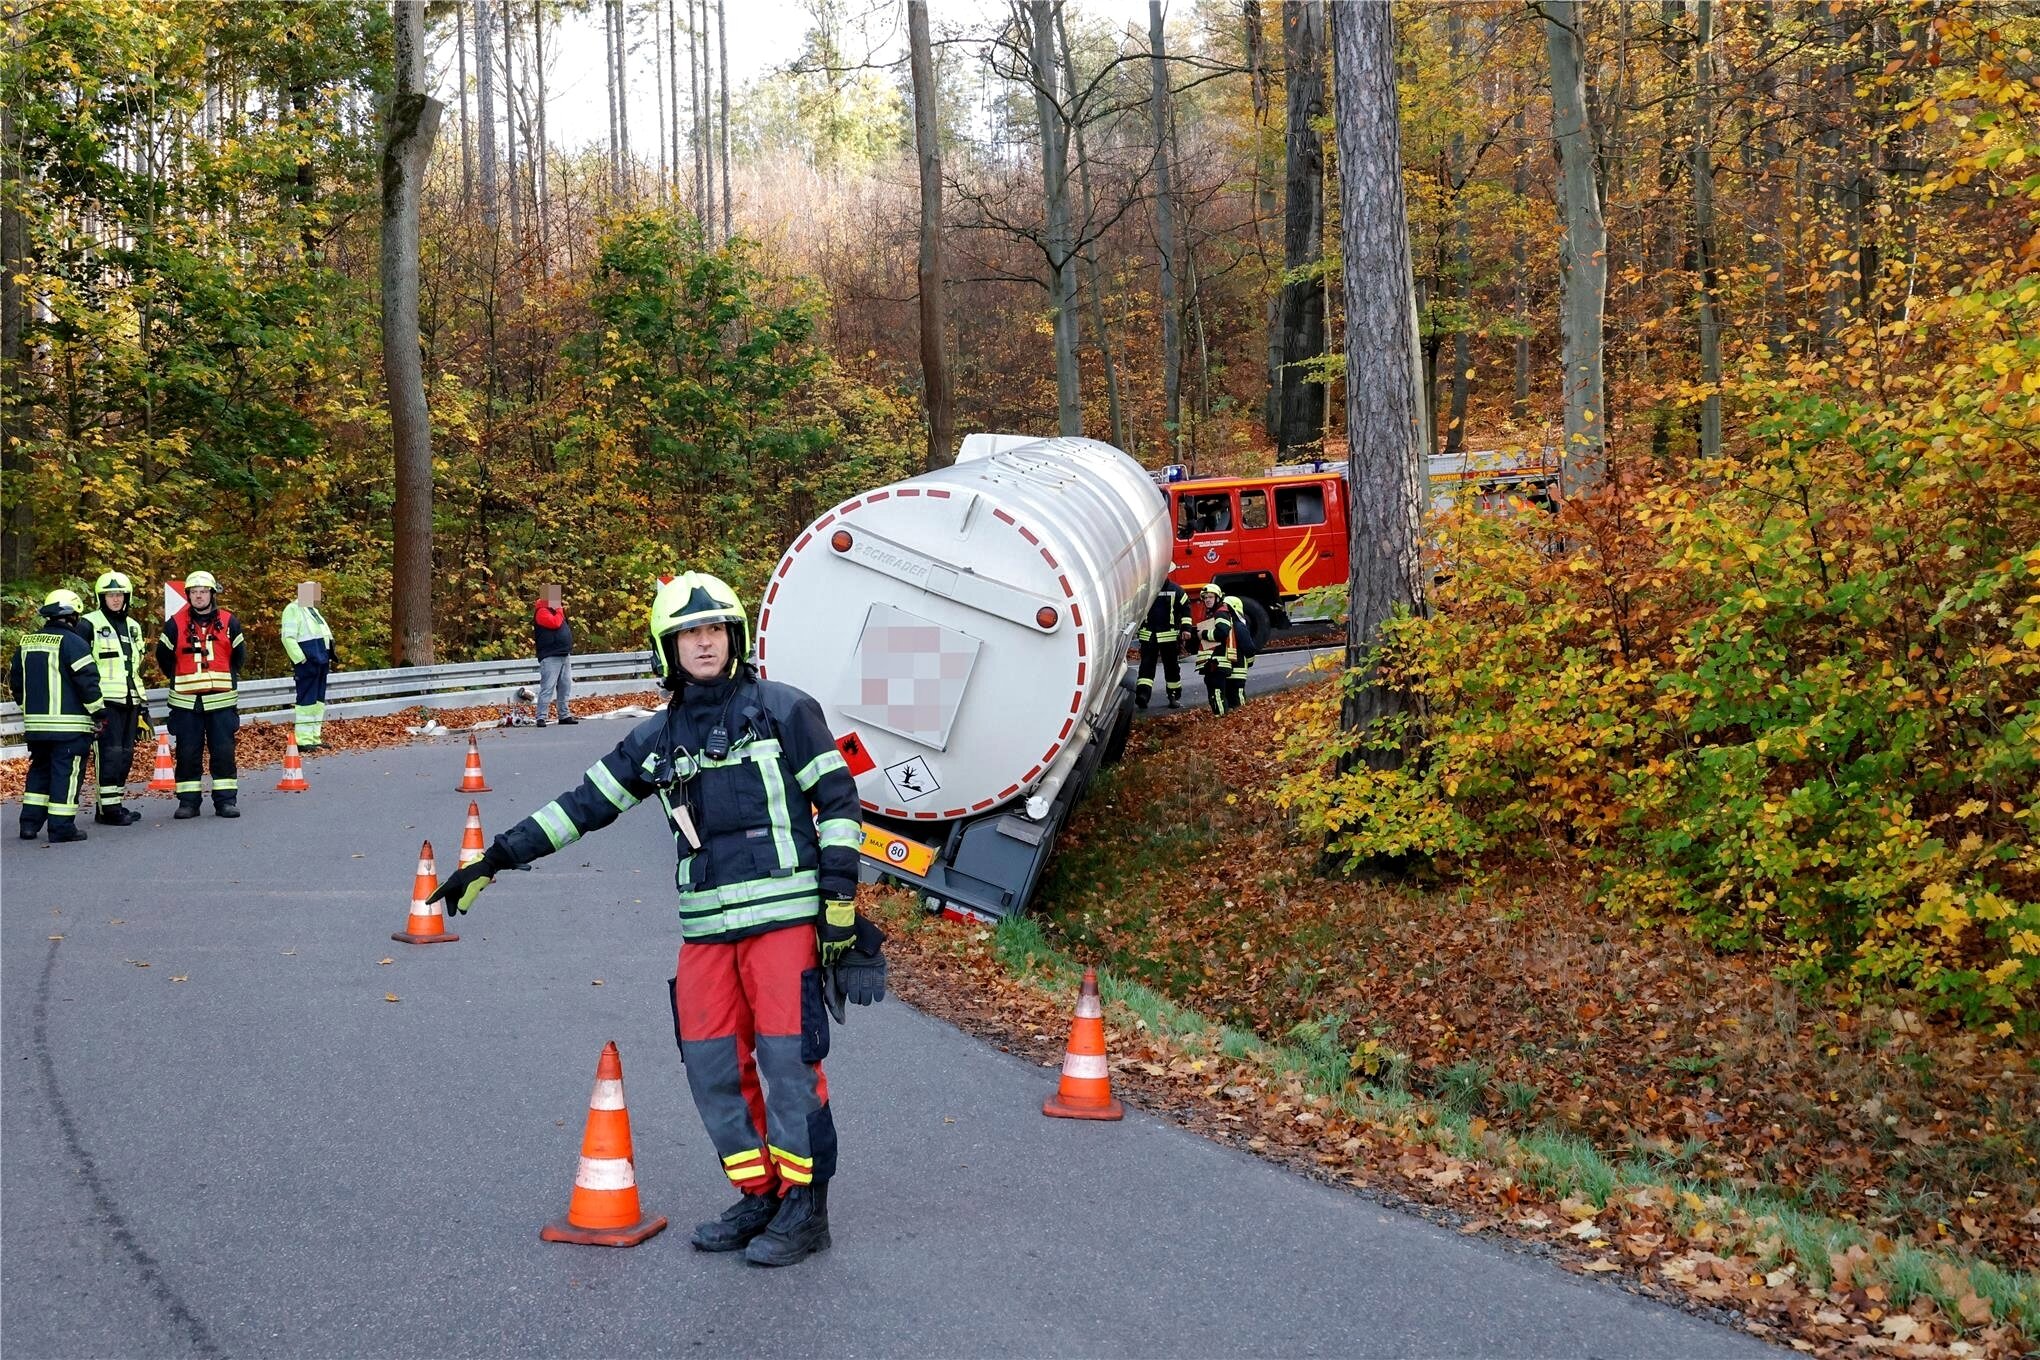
1046 617
840 540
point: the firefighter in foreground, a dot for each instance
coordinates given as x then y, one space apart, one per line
117 652
1161 637
766 886
1225 664
57 686
200 652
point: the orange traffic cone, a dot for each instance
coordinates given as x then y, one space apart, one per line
293 771
471 779
1086 1089
165 778
471 847
603 1211
428 919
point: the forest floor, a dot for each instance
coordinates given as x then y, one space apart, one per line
1847 1176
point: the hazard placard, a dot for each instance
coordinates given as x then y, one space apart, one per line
897 852
854 755
912 778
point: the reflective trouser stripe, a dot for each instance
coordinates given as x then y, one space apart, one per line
41 800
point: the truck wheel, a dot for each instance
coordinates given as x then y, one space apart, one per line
1115 743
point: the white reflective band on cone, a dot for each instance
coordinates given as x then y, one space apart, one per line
426 866
1091 1065
420 907
1088 1008
605 1173
608 1095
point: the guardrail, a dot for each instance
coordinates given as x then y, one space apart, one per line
364 694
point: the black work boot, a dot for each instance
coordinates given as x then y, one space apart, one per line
224 807
187 808
64 829
31 827
739 1223
116 816
798 1231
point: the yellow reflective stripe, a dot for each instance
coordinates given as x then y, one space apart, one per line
797 1175
774 784
558 827
747 1173
757 889
844 832
619 796
787 1158
822 764
747 1155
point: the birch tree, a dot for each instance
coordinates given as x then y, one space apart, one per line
485 121
1582 251
1385 422
411 124
938 393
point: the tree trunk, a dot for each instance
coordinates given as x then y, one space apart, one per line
467 159
1582 252
485 122
624 169
707 124
1061 252
1303 300
1462 254
609 72
1709 322
510 128
673 91
542 188
694 106
1519 255
722 48
413 122
1264 209
1114 417
1165 236
1385 436
17 528
937 391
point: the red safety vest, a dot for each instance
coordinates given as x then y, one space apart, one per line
204 652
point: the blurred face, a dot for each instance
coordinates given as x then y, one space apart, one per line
704 651
116 600
201 598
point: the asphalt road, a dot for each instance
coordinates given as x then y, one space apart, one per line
1272 671
245 1148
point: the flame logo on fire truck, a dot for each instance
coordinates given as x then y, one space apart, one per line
1293 566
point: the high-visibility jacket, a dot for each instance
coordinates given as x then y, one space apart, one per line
117 652
201 656
55 682
775 821
1226 657
1168 618
306 634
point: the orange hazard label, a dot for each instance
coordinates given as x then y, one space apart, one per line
854 755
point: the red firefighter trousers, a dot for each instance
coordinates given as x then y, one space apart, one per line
753 1032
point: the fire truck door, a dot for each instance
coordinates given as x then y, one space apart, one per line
1206 532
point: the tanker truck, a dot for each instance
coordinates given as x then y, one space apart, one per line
966 632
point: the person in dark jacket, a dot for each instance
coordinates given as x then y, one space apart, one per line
1162 633
56 682
765 822
554 638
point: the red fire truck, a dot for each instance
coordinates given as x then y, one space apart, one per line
1270 538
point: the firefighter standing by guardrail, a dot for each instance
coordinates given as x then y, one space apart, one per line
57 686
765 821
308 642
200 653
117 651
1161 639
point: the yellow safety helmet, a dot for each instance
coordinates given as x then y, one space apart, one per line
113 580
202 580
687 601
62 603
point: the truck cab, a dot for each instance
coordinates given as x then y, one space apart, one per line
1266 539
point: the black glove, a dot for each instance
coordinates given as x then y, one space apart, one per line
860 976
837 930
463 886
99 724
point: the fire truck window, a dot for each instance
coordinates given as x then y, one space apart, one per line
1253 509
1208 514
1296 506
